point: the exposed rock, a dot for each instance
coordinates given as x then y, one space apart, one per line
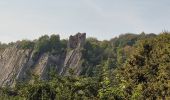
73 59
41 66
77 41
11 63
46 64
17 64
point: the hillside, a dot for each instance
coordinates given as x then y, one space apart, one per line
131 66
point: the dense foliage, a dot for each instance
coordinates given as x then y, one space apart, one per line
51 44
147 72
129 67
2 47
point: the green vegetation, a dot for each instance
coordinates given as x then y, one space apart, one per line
147 72
26 44
51 44
2 47
129 67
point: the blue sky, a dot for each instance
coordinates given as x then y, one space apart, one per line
104 19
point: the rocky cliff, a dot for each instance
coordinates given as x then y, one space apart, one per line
74 54
17 64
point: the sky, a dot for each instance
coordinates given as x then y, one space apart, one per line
103 19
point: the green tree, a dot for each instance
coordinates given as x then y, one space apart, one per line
147 71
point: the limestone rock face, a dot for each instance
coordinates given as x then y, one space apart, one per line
73 59
77 41
17 64
12 61
46 64
41 66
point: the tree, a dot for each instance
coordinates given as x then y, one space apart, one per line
55 41
147 71
26 44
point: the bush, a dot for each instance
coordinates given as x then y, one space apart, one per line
26 44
